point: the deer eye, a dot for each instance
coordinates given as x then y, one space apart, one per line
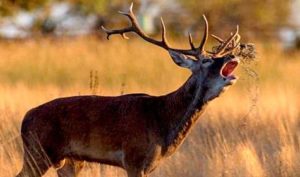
206 61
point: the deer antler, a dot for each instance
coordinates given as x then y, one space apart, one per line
229 45
194 51
197 52
137 29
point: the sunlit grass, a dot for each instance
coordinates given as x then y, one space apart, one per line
251 130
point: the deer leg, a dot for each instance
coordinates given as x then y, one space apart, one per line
69 168
33 166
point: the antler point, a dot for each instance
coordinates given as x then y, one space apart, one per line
164 37
205 37
131 7
103 28
124 36
162 23
121 12
191 41
106 31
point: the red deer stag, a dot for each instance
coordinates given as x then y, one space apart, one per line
134 131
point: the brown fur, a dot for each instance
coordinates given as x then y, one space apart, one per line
132 131
137 124
143 129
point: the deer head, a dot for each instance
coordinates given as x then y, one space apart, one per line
210 70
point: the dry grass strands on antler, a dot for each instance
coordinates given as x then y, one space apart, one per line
232 46
246 52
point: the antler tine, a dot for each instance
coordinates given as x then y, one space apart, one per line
191 41
124 30
205 36
236 41
111 32
225 45
135 28
164 33
130 11
220 40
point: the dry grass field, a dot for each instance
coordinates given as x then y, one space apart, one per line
253 130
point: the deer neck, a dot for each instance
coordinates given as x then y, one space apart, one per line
183 108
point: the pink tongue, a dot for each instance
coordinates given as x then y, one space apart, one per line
228 68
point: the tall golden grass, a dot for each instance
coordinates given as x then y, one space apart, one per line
253 130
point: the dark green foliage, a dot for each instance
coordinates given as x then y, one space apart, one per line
9 6
251 14
98 6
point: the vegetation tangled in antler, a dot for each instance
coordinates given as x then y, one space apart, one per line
246 52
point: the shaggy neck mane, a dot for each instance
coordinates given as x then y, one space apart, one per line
183 107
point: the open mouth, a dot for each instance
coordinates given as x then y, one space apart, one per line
228 69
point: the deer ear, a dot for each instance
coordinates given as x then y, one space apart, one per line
181 60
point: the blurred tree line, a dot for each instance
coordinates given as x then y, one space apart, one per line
8 7
251 14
